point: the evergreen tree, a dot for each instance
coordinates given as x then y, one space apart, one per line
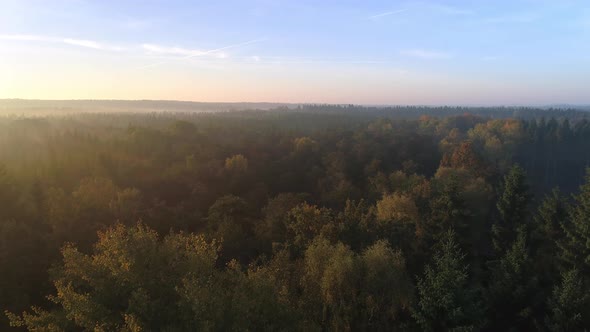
545 234
512 207
576 244
512 296
568 307
446 302
449 210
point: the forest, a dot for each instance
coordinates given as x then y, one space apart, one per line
295 218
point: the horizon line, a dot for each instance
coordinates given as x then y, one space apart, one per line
513 105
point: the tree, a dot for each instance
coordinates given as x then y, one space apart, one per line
274 227
234 300
357 227
331 280
576 244
513 296
546 233
448 211
568 306
465 157
24 260
9 204
130 281
446 302
386 291
229 219
397 208
513 208
237 164
306 222
397 217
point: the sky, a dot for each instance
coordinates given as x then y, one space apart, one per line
486 52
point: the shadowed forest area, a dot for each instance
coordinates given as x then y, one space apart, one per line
299 217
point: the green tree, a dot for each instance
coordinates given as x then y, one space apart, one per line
448 211
229 219
273 229
386 291
446 302
309 221
513 295
576 244
546 233
513 209
129 282
237 163
331 280
9 195
568 306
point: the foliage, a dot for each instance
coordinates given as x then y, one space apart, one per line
446 302
311 217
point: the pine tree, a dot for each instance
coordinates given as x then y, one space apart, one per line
545 234
575 248
513 208
568 307
448 210
446 302
512 295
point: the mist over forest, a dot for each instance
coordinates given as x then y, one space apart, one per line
180 216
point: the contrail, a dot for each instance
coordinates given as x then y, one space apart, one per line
207 52
387 13
226 47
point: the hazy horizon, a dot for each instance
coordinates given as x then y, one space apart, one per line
270 102
371 53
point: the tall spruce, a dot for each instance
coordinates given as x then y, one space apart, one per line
512 295
513 209
576 244
568 306
446 300
546 233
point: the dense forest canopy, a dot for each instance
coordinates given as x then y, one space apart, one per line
294 217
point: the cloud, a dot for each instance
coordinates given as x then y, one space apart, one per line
422 7
165 50
387 14
61 40
426 54
184 53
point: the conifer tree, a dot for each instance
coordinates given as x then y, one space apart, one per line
545 234
576 244
568 306
512 207
512 296
446 302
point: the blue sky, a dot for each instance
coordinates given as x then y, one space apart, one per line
370 52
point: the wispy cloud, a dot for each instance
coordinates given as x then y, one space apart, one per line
426 54
427 7
188 53
61 40
388 13
175 51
